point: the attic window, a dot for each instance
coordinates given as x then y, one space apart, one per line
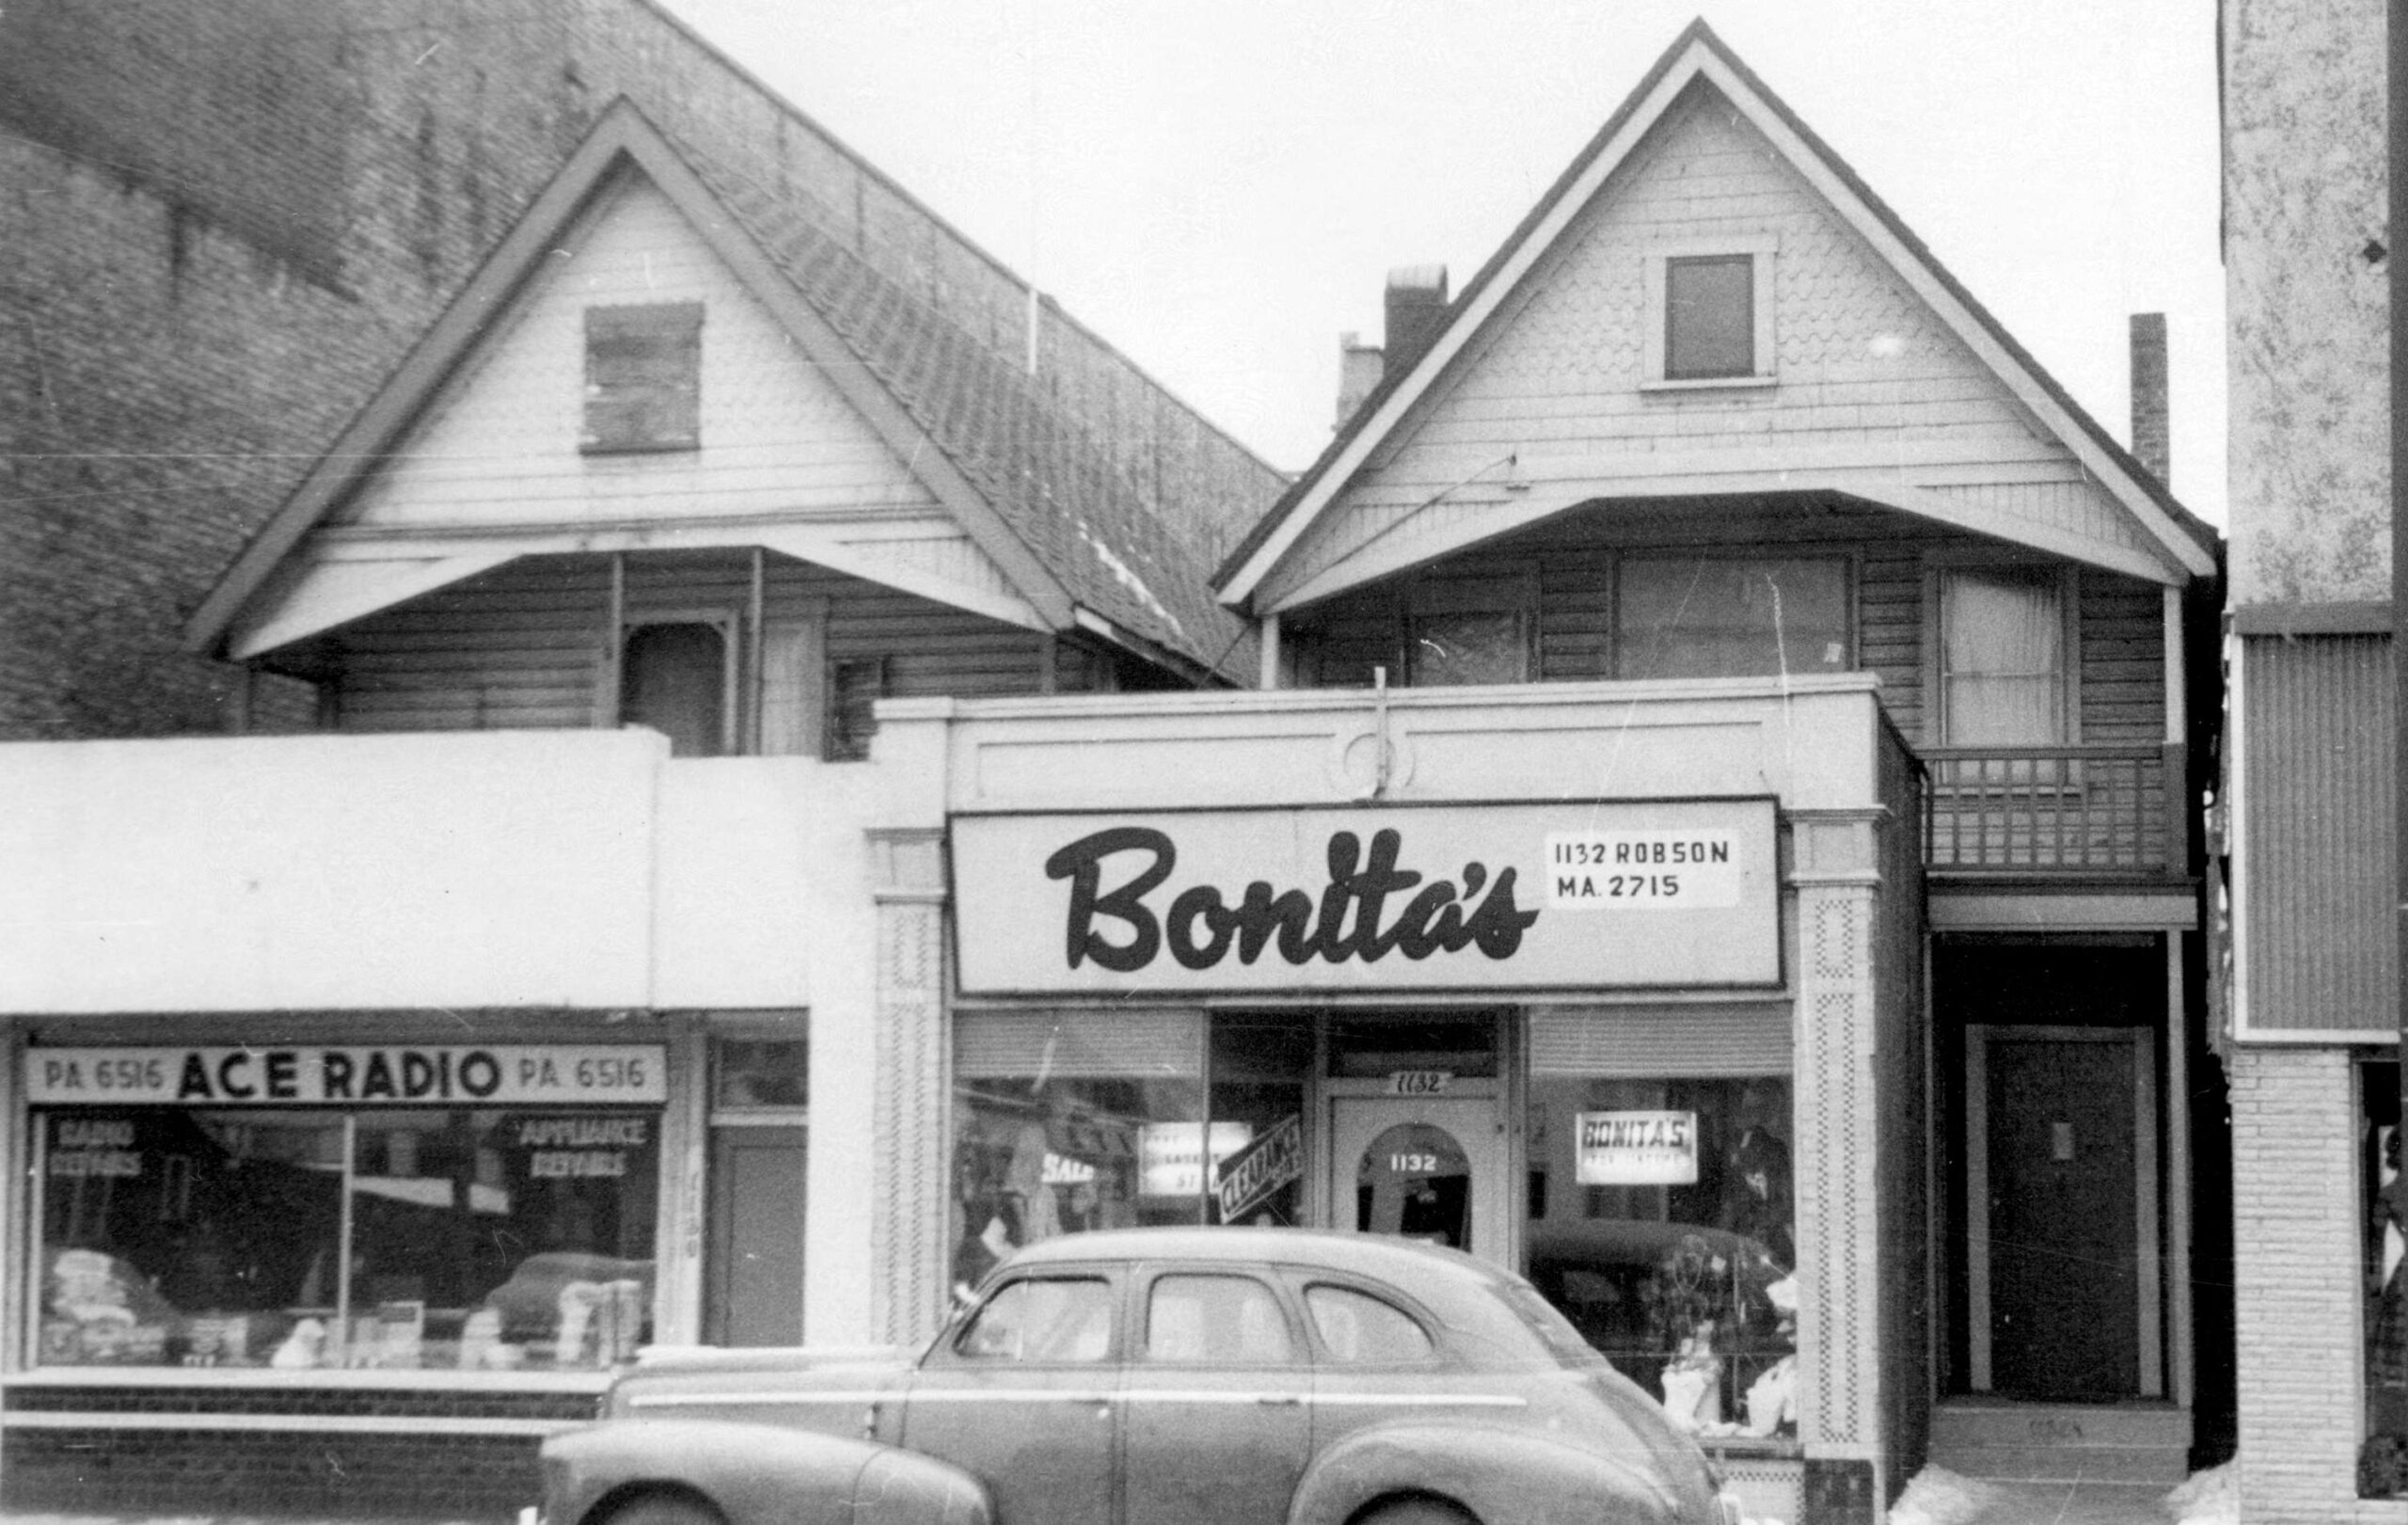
644 370
1709 314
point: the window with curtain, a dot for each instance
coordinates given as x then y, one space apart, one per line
2002 657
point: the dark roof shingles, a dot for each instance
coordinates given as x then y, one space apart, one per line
1099 528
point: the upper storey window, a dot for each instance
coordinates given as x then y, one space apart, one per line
2003 674
1731 616
643 378
1709 314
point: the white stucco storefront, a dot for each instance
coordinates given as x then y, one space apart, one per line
1617 985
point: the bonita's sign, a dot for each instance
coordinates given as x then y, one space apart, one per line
1556 896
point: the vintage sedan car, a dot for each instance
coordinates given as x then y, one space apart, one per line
1160 1376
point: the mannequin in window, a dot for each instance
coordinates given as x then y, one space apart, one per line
1756 1183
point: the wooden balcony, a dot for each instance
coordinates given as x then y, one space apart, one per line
2106 811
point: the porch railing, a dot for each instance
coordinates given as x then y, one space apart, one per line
2056 810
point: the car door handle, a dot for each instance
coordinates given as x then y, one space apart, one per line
1279 1400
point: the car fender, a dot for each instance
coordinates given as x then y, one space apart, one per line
1494 1473
753 1475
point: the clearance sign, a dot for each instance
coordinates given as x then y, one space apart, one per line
312 1075
1569 895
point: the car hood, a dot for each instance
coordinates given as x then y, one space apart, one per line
783 1385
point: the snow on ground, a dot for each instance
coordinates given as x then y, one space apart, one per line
2208 1498
1940 1497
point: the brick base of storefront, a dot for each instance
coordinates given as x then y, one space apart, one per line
2298 1290
232 1459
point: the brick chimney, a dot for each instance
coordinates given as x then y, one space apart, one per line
1416 308
1358 371
2152 445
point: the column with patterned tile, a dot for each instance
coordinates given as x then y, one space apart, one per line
1835 879
909 1117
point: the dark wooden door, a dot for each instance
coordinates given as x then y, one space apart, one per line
2064 1220
754 1293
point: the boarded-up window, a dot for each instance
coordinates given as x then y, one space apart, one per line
853 685
644 368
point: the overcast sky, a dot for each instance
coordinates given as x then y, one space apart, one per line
1218 187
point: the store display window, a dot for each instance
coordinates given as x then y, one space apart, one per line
2383 1185
1662 1224
393 1238
1066 1122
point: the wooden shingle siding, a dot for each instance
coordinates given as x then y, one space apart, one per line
1865 376
2316 734
527 644
2122 630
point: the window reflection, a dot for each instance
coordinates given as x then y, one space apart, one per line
468 1239
1662 1225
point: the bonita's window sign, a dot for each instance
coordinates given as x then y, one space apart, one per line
1578 896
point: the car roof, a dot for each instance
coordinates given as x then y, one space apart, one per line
1404 1262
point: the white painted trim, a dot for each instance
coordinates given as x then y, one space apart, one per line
1544 486
313 612
2141 912
1267 646
2178 698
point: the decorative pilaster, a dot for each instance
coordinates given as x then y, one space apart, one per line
909 1119
1835 877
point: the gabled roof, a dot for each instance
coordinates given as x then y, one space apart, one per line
2183 541
1079 536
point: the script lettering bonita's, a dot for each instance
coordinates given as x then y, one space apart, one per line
1200 927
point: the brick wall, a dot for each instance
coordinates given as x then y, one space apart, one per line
2294 1193
212 248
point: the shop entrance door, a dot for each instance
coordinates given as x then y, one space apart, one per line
1422 1168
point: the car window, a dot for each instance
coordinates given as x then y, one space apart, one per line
1041 1321
1563 1342
1360 1329
1223 1320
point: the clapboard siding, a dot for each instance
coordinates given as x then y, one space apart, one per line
2122 619
500 447
527 644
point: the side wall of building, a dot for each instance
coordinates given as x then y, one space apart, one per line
2299 1289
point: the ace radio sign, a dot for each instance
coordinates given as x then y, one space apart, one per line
1458 898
